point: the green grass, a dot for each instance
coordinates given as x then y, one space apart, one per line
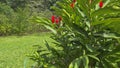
13 49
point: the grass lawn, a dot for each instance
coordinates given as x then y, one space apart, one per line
13 49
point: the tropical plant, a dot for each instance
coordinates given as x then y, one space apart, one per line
85 33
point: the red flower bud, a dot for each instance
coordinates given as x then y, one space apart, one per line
53 19
57 20
72 5
74 1
100 4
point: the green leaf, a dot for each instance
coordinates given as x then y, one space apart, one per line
116 50
79 29
89 48
76 63
47 45
50 28
66 13
84 6
82 14
104 11
108 35
111 35
111 23
94 4
106 3
107 21
114 59
85 61
94 57
109 64
42 20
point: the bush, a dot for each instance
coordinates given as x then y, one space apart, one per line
87 37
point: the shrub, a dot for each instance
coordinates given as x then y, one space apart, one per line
20 21
87 37
5 15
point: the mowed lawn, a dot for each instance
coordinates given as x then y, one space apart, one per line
13 49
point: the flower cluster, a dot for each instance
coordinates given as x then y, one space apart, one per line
55 19
73 3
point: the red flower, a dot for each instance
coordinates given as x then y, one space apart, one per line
53 19
74 1
100 4
72 5
57 20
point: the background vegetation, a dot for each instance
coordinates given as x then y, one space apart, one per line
15 15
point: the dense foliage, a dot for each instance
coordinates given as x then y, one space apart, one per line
87 36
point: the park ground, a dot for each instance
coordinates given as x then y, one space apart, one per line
14 49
